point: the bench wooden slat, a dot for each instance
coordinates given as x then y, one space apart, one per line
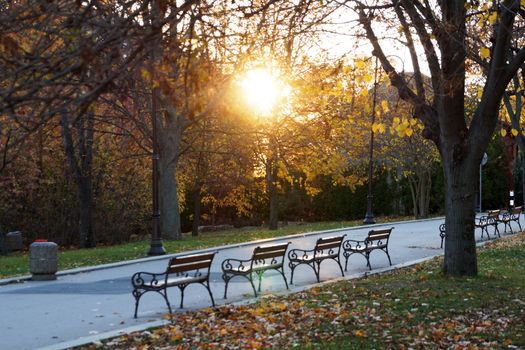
192 258
329 243
330 239
377 237
178 268
324 246
267 255
269 248
493 214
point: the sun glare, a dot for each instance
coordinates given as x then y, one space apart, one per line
262 90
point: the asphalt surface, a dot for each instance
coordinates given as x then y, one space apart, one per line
84 306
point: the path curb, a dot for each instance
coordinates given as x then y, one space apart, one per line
21 279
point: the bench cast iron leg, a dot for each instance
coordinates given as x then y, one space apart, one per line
209 292
340 267
292 267
259 276
317 271
165 296
226 279
137 296
281 271
182 287
346 255
253 286
505 227
388 255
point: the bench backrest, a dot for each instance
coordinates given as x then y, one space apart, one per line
493 214
379 236
516 210
328 245
269 254
184 265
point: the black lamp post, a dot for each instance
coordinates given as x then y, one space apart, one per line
369 217
156 247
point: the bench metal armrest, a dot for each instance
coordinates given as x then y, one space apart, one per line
296 253
350 244
236 264
147 279
482 220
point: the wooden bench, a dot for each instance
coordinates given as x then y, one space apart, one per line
264 258
507 217
181 272
485 221
325 248
376 240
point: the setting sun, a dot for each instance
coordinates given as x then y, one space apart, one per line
261 89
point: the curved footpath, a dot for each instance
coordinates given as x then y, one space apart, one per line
88 304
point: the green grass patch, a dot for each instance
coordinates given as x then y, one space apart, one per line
17 264
412 308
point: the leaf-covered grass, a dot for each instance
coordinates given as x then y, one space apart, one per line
413 308
17 264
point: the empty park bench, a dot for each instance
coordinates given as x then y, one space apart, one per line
376 240
264 258
325 248
181 272
485 221
506 217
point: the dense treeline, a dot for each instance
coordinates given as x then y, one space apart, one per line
43 203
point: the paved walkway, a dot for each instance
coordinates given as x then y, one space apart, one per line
81 307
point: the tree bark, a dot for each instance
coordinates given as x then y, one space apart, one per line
170 139
460 197
85 190
196 209
420 184
3 248
168 193
271 178
426 183
80 159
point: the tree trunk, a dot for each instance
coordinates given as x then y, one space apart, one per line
427 193
169 199
412 186
196 209
460 196
424 188
3 248
86 233
80 159
523 177
271 178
